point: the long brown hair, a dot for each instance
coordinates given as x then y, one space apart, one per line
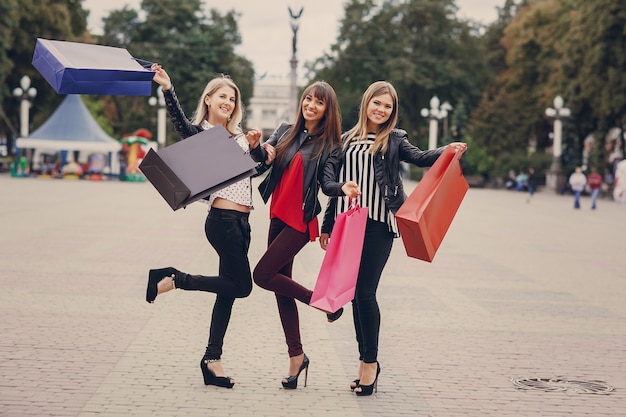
328 129
359 131
202 110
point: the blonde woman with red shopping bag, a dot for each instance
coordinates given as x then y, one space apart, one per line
372 151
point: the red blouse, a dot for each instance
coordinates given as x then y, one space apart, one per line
287 199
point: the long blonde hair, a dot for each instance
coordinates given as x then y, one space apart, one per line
359 131
202 110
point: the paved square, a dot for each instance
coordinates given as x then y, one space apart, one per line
517 290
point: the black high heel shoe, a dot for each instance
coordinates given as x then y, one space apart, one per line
211 379
292 381
334 316
369 389
154 277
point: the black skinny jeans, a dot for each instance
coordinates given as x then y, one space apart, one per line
228 231
273 273
365 311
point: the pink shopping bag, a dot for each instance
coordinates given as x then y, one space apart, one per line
336 281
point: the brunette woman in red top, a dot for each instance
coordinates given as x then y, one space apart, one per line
304 159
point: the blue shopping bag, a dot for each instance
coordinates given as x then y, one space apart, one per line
81 68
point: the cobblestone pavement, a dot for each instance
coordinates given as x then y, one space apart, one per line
517 290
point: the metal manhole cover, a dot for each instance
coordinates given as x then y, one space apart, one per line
562 384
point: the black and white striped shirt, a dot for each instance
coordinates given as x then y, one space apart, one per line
358 166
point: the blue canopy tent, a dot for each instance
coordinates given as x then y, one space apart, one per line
72 128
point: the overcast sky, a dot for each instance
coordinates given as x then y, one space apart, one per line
266 32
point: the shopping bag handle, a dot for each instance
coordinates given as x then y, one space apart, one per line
143 62
353 203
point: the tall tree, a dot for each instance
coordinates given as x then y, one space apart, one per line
570 47
192 46
21 26
418 45
594 64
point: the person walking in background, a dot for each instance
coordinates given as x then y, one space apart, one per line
577 182
520 181
305 157
531 181
226 226
619 182
511 181
372 151
594 180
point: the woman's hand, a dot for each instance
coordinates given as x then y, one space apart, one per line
271 153
160 77
351 189
254 137
324 237
459 146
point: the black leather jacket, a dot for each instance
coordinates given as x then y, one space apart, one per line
183 126
387 172
318 172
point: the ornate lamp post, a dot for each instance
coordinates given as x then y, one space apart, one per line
434 114
555 178
26 93
448 108
293 90
159 101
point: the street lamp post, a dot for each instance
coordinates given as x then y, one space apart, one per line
448 108
555 178
434 114
159 101
26 93
293 90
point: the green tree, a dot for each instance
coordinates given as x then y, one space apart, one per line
417 45
594 70
21 26
572 48
191 46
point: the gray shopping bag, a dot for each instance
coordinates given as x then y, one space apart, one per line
195 167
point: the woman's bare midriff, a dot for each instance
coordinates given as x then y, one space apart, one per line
222 203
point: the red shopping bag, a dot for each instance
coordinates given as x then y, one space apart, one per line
336 281
426 215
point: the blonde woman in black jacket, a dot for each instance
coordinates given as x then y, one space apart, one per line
306 157
372 151
226 227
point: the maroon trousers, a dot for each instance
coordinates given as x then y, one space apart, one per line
273 273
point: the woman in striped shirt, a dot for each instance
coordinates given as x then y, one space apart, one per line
372 152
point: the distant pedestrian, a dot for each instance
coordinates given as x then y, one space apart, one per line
521 181
531 182
511 183
619 183
595 182
577 181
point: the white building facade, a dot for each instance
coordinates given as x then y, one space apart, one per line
269 105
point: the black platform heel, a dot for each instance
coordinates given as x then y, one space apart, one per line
369 389
211 379
334 316
154 277
292 381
